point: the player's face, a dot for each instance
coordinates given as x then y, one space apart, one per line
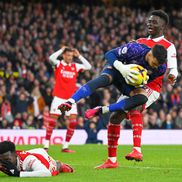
68 56
9 156
152 61
155 26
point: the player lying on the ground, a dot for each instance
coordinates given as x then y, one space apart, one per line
31 163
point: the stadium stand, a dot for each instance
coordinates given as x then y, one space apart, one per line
30 32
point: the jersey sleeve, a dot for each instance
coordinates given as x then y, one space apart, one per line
171 60
79 67
32 167
127 53
119 53
85 63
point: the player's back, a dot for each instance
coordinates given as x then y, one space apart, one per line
26 157
40 151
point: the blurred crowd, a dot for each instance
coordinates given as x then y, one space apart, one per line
30 32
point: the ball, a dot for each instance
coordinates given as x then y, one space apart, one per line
141 77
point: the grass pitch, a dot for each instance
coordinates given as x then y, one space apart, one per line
161 164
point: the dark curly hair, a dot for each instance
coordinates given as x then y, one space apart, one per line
163 15
7 146
160 53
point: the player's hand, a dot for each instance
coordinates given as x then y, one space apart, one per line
9 168
171 79
126 70
144 83
64 47
76 53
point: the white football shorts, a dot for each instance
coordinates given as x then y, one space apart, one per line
58 101
151 94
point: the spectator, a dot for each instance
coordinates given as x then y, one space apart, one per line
37 107
169 123
146 121
162 117
178 120
21 102
92 134
153 121
26 46
4 124
6 110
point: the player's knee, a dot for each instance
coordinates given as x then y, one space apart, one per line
142 99
137 109
101 81
117 117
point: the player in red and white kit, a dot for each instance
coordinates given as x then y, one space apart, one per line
66 73
31 163
157 23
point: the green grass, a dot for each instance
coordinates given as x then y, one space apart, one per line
161 164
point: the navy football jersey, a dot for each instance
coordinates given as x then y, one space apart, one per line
134 53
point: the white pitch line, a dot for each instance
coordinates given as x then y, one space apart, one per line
152 167
140 167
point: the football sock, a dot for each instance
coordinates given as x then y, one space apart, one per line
46 144
138 149
70 131
113 159
66 145
51 123
113 136
129 103
137 125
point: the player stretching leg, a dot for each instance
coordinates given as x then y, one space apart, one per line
65 85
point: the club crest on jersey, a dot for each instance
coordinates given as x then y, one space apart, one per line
123 50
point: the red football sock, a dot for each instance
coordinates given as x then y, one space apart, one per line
50 125
71 128
137 125
113 134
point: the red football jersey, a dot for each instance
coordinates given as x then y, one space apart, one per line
156 84
65 79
